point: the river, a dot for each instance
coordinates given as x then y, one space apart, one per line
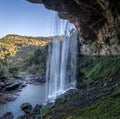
33 94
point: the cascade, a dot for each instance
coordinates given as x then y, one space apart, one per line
61 62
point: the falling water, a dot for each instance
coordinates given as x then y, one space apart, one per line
61 63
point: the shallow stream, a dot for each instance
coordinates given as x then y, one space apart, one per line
33 94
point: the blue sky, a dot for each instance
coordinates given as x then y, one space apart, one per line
24 18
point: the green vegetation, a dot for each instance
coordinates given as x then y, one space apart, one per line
44 111
104 109
5 75
29 59
98 68
37 61
10 44
22 54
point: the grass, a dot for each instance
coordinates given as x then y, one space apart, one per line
106 108
98 68
44 111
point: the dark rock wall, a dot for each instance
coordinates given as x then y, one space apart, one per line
97 21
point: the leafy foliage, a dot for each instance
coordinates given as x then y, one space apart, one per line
104 109
5 75
10 44
44 111
97 68
22 54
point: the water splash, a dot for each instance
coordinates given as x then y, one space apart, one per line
61 63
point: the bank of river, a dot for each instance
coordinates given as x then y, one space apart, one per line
33 94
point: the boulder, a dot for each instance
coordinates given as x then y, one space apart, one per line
0 88
12 86
11 98
23 85
37 108
2 98
2 85
27 108
29 116
8 115
40 78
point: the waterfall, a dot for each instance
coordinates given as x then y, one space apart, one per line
61 63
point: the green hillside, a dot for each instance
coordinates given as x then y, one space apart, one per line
10 44
22 54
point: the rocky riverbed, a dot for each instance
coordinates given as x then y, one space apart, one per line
30 112
86 95
10 91
15 91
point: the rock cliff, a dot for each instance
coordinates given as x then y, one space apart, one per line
97 22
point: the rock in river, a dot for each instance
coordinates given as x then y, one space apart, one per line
12 86
27 108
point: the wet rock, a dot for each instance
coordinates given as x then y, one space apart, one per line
29 116
11 98
37 108
8 84
40 78
8 115
23 85
19 77
19 90
35 79
1 94
2 85
27 108
2 98
12 86
0 88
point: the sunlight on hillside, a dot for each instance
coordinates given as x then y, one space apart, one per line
10 44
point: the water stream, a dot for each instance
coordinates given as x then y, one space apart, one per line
33 94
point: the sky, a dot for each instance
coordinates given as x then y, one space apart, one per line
24 18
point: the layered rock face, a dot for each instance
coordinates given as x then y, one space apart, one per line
97 22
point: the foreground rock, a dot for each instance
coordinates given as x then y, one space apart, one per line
40 78
30 116
37 108
27 108
2 85
30 113
5 97
12 86
8 115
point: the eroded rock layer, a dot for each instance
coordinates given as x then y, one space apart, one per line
97 22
